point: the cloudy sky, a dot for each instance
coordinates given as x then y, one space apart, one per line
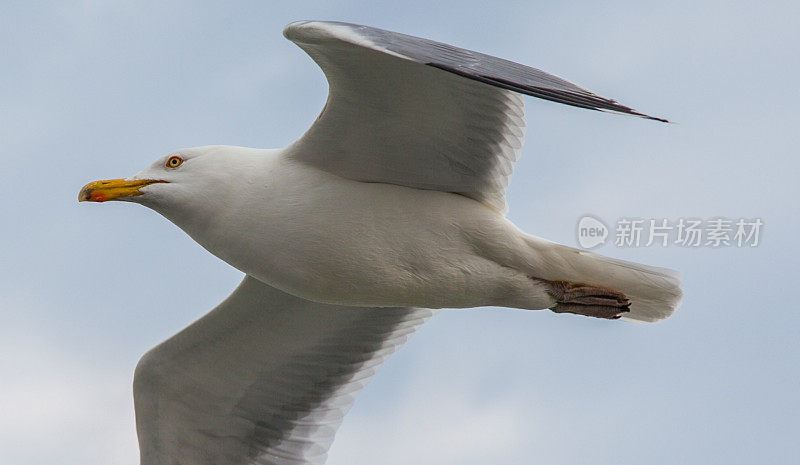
98 89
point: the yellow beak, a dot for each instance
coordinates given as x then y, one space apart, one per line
113 189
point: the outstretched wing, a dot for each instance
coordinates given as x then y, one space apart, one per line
264 378
410 111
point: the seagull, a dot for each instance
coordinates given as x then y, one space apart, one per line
390 207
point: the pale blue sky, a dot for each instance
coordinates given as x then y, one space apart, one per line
99 89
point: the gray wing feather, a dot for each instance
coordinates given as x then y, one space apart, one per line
491 70
264 378
400 110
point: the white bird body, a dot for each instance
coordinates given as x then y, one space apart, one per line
390 205
334 240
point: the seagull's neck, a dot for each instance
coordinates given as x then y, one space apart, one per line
228 178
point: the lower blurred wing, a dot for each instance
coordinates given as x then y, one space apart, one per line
264 378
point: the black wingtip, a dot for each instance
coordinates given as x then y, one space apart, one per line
654 118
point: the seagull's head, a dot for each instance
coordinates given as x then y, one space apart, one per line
184 182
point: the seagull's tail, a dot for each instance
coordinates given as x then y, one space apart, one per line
655 293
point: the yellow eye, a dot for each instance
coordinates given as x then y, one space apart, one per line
174 162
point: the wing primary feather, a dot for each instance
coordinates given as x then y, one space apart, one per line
589 101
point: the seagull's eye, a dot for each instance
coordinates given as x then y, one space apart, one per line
174 162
